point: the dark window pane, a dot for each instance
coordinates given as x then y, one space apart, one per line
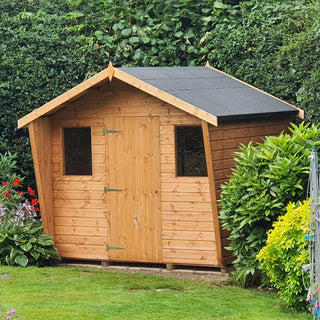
77 151
191 159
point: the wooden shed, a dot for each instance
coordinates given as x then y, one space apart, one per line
129 163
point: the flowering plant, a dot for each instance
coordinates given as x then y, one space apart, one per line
22 240
18 207
10 314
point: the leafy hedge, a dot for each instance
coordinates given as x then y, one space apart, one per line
38 61
266 178
285 253
47 48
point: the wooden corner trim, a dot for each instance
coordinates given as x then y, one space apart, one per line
212 186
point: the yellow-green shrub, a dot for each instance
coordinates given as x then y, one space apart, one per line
285 253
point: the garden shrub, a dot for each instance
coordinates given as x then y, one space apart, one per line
286 252
22 240
265 179
24 245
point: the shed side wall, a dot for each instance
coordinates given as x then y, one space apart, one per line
225 140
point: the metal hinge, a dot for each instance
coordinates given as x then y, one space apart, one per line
104 131
114 248
108 190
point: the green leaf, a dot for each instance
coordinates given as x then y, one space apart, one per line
21 260
178 34
35 254
45 242
219 5
40 250
13 253
98 34
134 40
189 34
126 32
145 40
52 250
139 54
8 261
3 237
26 247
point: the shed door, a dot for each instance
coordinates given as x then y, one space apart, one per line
133 189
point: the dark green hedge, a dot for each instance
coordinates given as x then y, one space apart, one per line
48 47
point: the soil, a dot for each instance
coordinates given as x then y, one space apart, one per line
182 272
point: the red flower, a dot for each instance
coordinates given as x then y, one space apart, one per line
20 193
35 201
16 182
5 184
31 191
6 193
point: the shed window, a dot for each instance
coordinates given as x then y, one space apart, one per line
190 153
77 151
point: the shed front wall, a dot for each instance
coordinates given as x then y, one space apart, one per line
82 209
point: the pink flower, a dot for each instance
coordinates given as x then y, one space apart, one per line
11 312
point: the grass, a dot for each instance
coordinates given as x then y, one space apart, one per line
80 293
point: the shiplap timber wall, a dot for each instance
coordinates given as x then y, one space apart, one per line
225 141
82 209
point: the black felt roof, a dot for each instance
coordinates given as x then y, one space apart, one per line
213 91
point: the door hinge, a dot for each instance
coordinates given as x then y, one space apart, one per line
104 131
108 190
114 248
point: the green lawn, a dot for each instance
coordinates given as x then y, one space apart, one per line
82 293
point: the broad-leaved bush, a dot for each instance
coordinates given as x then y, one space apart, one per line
22 240
267 176
285 253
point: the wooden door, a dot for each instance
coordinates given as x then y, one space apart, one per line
133 189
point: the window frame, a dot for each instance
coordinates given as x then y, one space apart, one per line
63 151
176 153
